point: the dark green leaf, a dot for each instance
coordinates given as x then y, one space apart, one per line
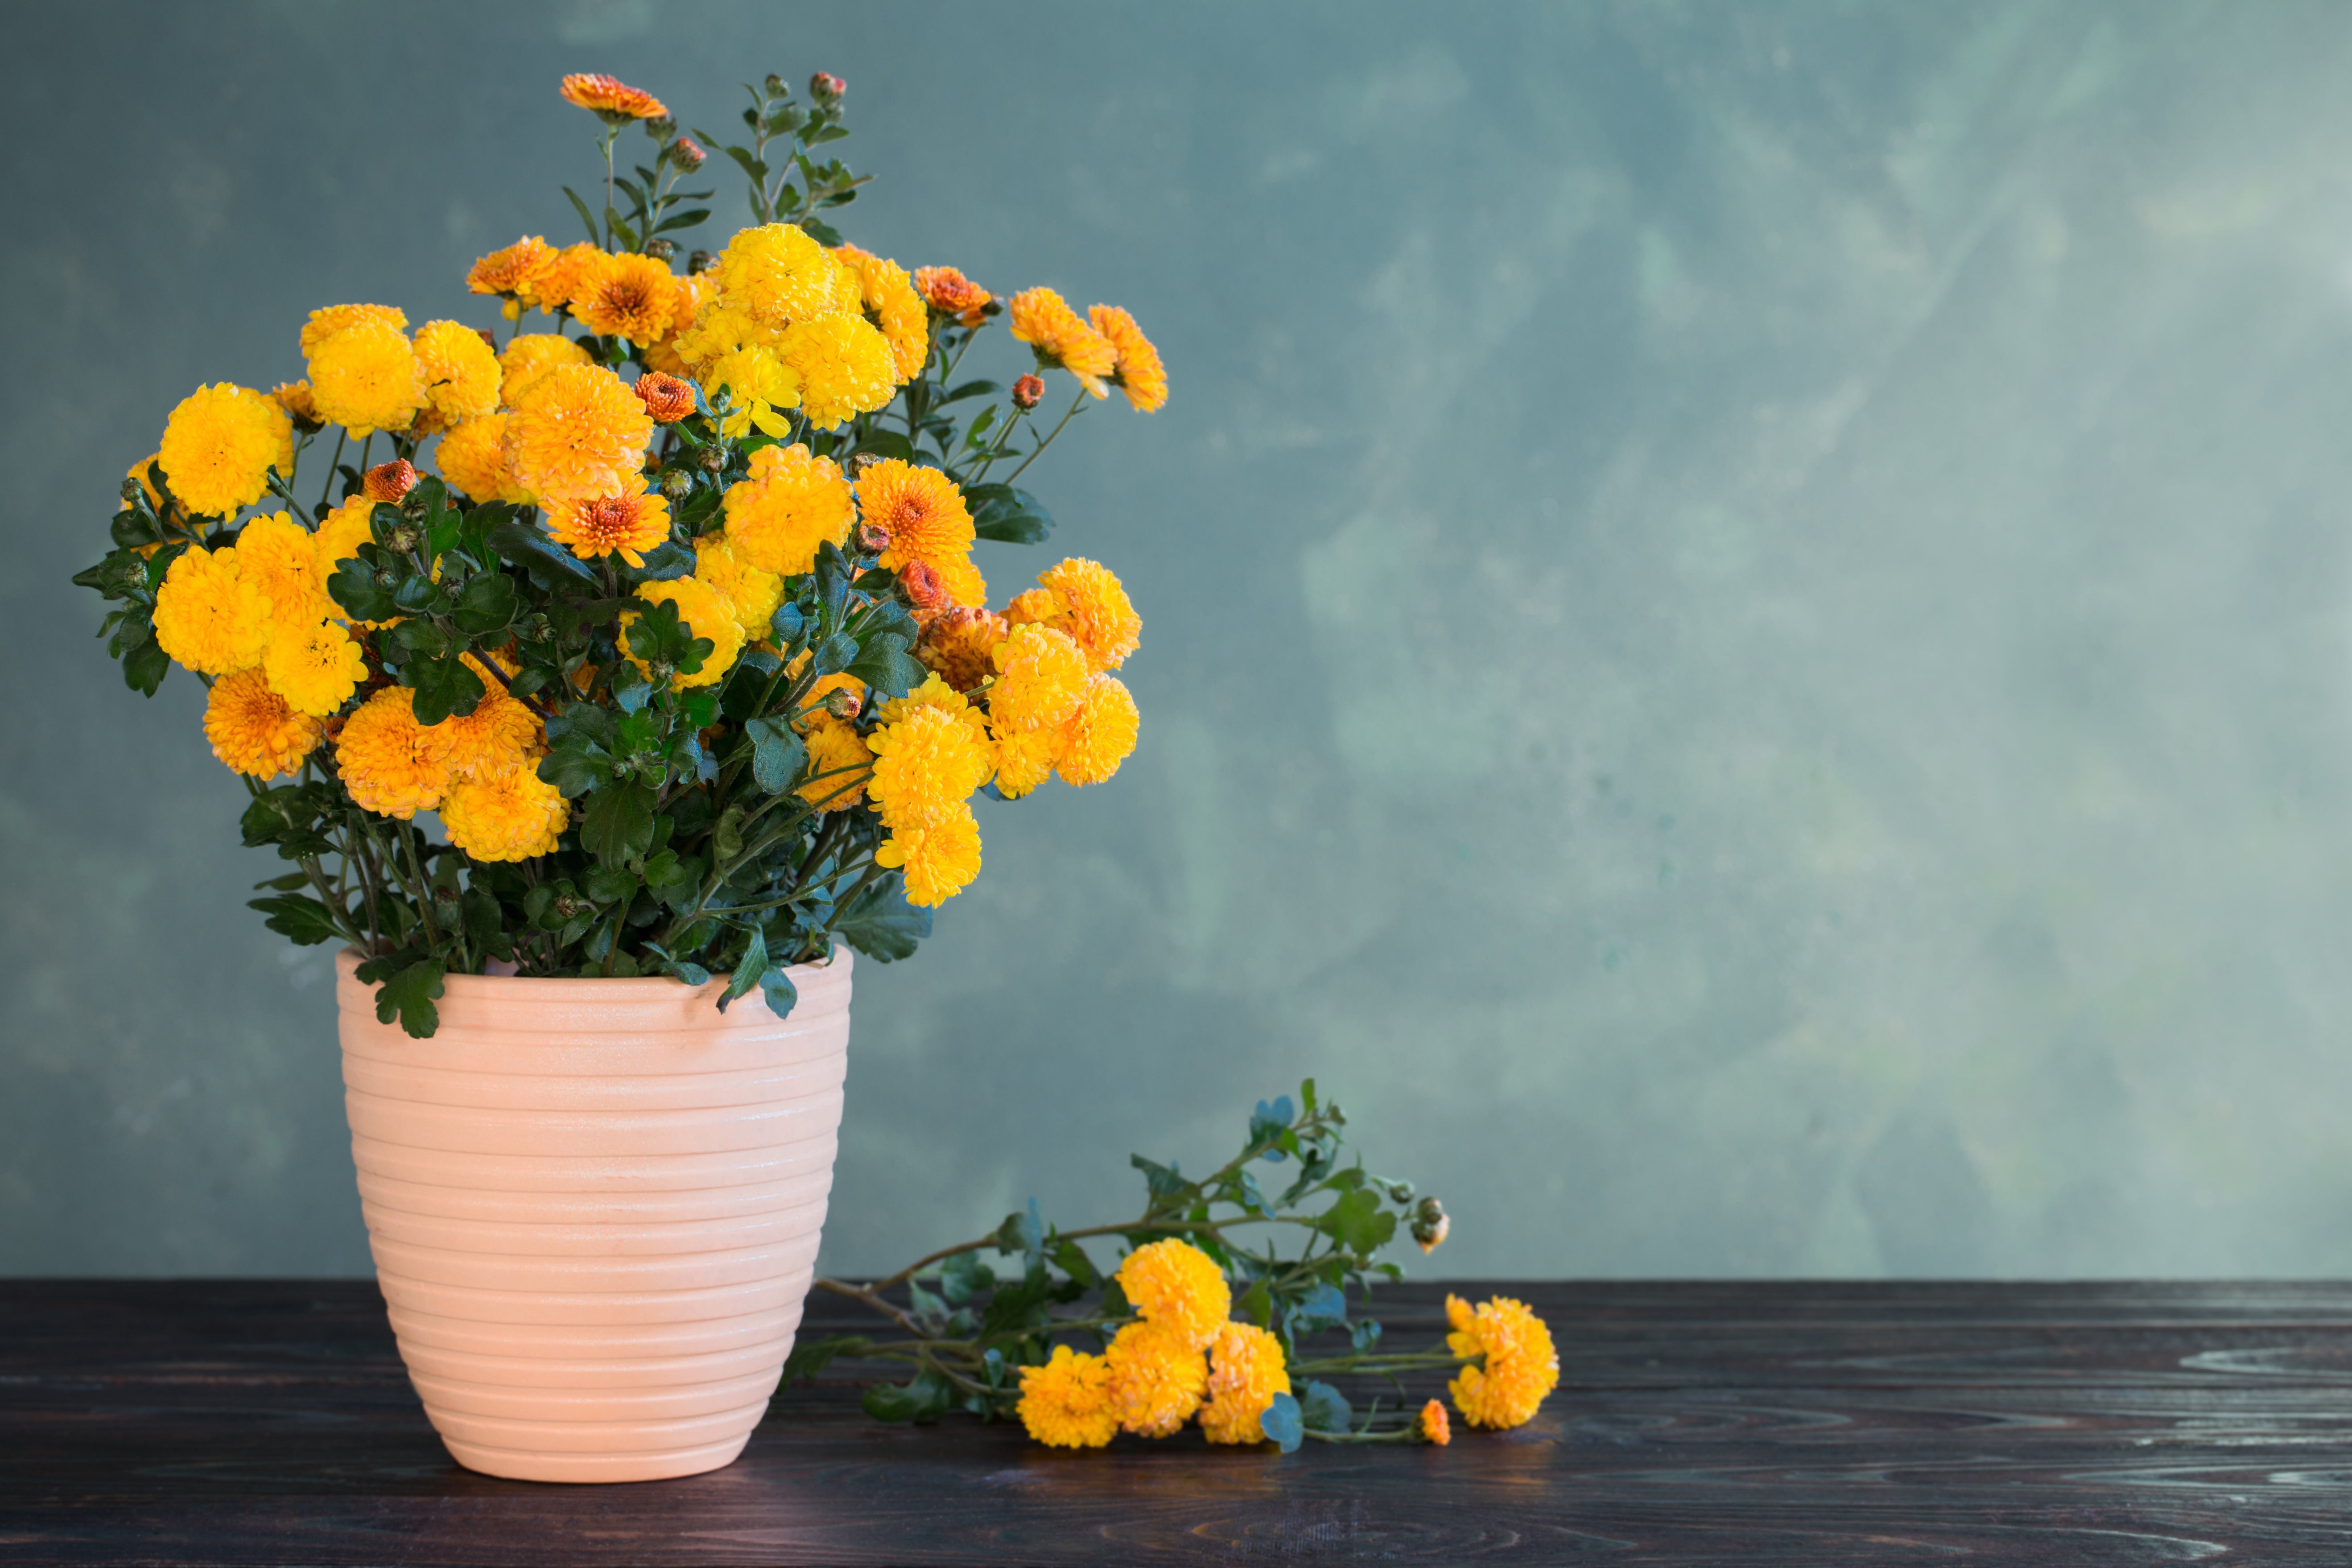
778 754
834 654
1255 1305
1358 1223
1014 516
1322 1308
970 389
964 1276
886 444
586 220
354 588
1283 1424
886 666
619 824
687 219
812 1357
748 969
1325 1409
145 666
443 687
667 560
880 923
782 994
824 234
302 920
923 1400
527 547
409 995
1167 1186
487 605
575 765
1365 1335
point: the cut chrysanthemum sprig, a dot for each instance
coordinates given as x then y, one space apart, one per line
1201 1322
649 639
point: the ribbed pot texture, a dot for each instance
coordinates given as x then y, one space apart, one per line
594 1207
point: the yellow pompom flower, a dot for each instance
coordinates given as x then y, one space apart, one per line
579 432
1178 1288
207 616
927 519
1520 1364
961 644
928 761
1044 320
314 665
281 558
838 760
627 296
1246 1370
499 734
1089 603
892 304
219 446
844 367
939 860
505 814
792 503
329 320
1066 1403
530 355
254 731
1101 735
389 762
778 275
1140 372
473 458
1157 1379
704 614
366 378
755 383
1024 759
1041 676
462 375
715 330
625 525
339 539
503 273
750 593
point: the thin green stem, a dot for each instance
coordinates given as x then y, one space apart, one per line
1077 403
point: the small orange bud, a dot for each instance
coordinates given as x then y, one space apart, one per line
390 481
873 539
824 85
686 153
665 397
1434 1427
1027 390
924 586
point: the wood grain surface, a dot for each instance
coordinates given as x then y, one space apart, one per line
270 1422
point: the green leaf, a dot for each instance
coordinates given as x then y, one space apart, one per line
824 234
880 923
886 444
487 605
813 1357
619 824
302 920
587 221
663 562
788 623
1325 1409
1012 517
923 1400
886 666
527 547
444 685
777 988
687 219
1358 1223
354 588
575 765
1255 1305
748 969
1023 1232
778 754
835 653
970 389
1283 1423
145 666
409 995
964 1276
612 884
1168 1185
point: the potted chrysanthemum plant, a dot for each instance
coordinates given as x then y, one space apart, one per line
657 595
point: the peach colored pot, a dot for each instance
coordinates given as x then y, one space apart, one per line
594 1207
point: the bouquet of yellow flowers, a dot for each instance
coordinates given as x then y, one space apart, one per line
667 608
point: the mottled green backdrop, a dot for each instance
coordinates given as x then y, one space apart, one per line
1746 610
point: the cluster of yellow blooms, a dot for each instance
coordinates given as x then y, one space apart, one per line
1185 1358
777 324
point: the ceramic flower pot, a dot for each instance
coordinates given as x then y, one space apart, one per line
594 1207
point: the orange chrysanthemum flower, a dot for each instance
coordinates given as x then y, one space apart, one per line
961 646
665 397
1066 1403
951 293
391 765
924 512
611 98
627 525
389 482
507 813
505 272
1140 372
578 432
528 356
1435 1428
632 297
254 730
1044 320
551 288
472 456
328 319
892 304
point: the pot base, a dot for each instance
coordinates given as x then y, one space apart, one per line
669 1465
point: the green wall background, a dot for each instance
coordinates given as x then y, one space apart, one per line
1746 610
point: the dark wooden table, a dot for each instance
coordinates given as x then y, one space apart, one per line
252 1421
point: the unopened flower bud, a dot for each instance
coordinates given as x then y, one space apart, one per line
407 537
539 628
827 87
489 339
661 249
665 397
713 458
390 481
685 153
677 483
1430 1223
135 573
1027 390
445 896
776 88
661 128
924 586
873 539
132 492
700 261
842 702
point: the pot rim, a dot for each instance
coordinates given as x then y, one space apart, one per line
347 959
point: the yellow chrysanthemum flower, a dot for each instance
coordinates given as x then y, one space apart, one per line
939 860
473 458
1246 1370
339 539
754 384
1024 759
505 814
1066 1403
1041 676
329 320
792 503
927 762
1094 741
552 287
207 616
927 519
219 446
1157 1379
1087 601
280 557
294 397
627 296
625 525
1044 320
704 614
845 366
892 304
530 355
366 378
314 665
1178 1288
254 731
779 274
499 734
838 760
1521 1366
716 330
391 765
750 593
462 374
579 432
961 644
503 273
1140 372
